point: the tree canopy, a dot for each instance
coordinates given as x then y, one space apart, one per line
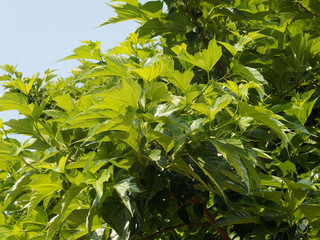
202 124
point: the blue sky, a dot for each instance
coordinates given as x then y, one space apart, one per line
36 34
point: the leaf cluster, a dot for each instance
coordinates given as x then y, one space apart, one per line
202 124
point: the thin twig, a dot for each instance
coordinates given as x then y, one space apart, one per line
315 83
194 21
293 88
307 10
298 85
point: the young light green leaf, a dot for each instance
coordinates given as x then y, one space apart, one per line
13 101
152 9
23 126
205 59
45 184
181 79
118 97
157 92
149 73
125 12
66 102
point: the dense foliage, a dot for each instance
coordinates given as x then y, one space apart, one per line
202 124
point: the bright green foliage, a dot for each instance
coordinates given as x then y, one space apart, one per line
202 124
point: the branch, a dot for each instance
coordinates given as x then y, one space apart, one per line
293 88
307 10
220 230
194 21
174 227
203 37
195 201
315 83
298 85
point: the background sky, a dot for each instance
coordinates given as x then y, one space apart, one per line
36 34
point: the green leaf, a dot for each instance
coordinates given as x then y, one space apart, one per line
23 126
17 188
116 215
180 166
152 9
91 214
89 51
97 182
130 2
232 150
158 92
302 107
205 59
202 108
150 72
115 66
245 39
13 101
248 73
272 181
131 138
267 118
310 211
117 97
46 184
123 188
8 68
287 167
298 45
156 156
150 27
181 79
62 164
125 12
237 218
66 102
229 47
5 231
63 209
155 182
218 104
206 157
296 197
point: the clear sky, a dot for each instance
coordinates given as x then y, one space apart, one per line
35 34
